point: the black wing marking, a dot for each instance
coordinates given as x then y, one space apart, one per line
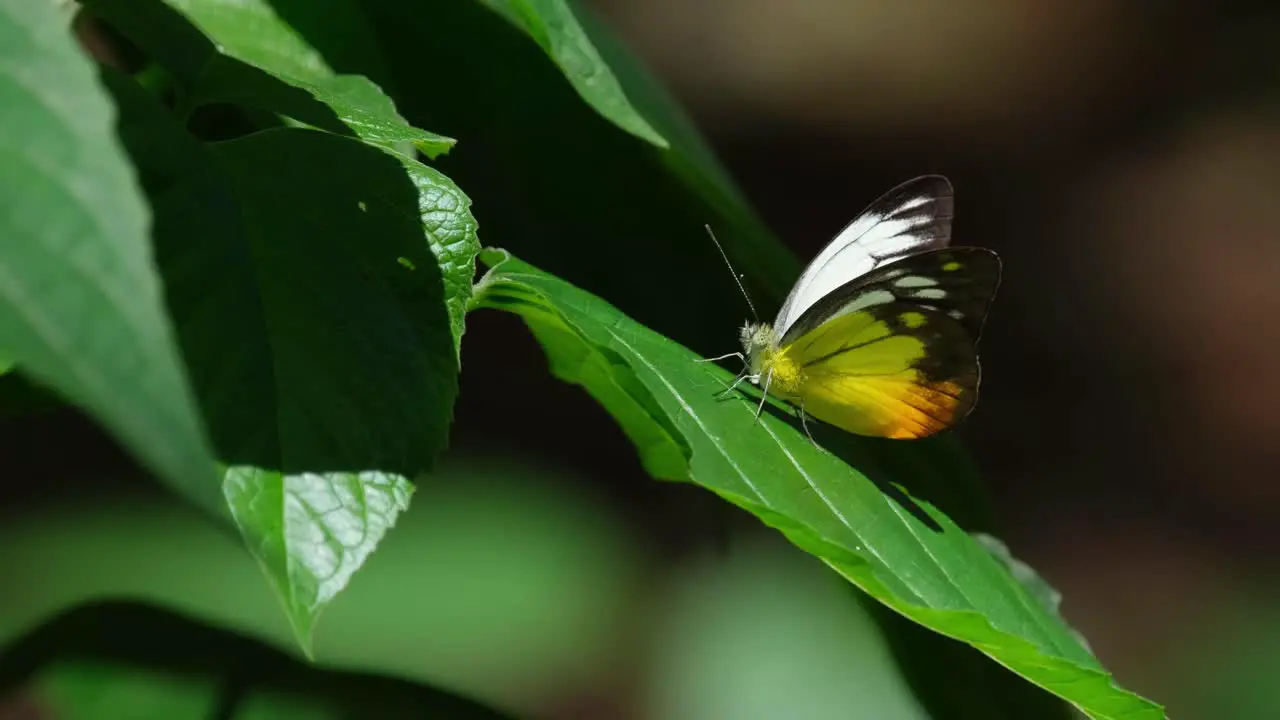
958 284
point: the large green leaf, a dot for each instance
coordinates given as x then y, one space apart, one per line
312 279
81 307
259 61
899 549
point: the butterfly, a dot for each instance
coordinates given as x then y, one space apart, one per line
879 335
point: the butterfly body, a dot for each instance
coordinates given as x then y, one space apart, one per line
765 358
879 336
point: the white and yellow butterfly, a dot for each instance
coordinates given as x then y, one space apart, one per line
879 335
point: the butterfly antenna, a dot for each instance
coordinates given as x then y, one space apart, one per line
734 273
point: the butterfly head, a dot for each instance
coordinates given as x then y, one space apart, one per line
756 339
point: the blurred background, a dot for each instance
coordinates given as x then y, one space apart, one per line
1124 160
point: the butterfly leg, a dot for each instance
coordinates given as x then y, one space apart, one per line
744 375
730 388
764 395
723 357
804 424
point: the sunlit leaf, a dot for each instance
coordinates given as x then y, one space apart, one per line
313 531
899 549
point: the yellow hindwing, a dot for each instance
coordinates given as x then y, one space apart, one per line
896 371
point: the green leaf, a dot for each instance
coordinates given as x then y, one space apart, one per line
1037 586
552 24
359 352
897 548
1050 598
313 531
326 369
360 107
957 681
80 303
259 61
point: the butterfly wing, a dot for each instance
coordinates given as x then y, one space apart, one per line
910 218
894 353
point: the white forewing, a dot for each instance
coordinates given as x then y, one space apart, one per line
911 218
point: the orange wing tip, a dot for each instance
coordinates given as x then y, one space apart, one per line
927 410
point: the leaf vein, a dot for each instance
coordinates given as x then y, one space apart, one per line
689 409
